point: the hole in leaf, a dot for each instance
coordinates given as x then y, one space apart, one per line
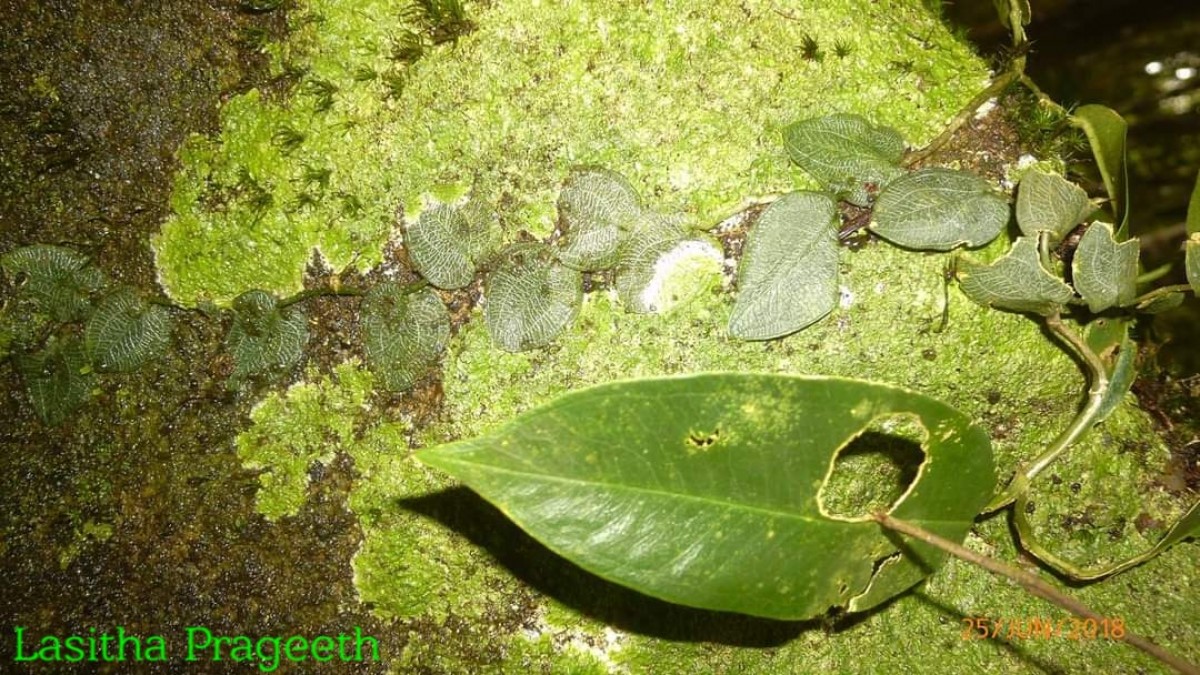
875 469
699 441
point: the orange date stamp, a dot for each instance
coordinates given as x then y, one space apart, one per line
1042 628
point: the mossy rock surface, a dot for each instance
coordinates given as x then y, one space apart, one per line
688 101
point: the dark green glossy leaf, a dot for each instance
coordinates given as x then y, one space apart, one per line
449 241
58 279
1192 262
126 332
652 236
404 332
939 209
531 298
1105 272
788 274
1106 132
596 207
264 338
1016 282
846 154
1050 203
58 378
705 490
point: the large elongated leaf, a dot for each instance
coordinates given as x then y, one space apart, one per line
1050 203
1016 282
531 298
58 279
264 338
705 490
1106 132
939 209
595 207
1105 272
788 274
126 332
449 241
404 332
847 154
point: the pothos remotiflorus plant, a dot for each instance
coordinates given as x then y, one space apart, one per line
711 490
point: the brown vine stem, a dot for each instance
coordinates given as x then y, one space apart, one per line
997 87
1036 586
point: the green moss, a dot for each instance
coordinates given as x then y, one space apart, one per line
291 431
688 103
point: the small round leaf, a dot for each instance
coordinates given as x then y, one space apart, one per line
263 338
404 332
126 332
846 154
939 209
531 297
595 207
1050 203
448 242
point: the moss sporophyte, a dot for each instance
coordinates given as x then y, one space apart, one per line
553 179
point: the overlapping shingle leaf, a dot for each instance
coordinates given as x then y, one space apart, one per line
595 207
846 154
1016 282
531 297
448 242
58 279
404 332
58 379
126 332
264 338
788 274
1105 272
939 209
1050 203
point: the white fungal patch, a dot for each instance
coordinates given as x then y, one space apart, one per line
680 273
845 297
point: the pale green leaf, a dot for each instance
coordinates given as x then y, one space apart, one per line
1048 202
1106 132
1017 282
264 338
1103 271
1004 10
531 297
448 242
846 154
787 278
595 208
58 379
58 279
939 209
126 332
404 332
651 237
1157 303
707 490
1192 262
1109 339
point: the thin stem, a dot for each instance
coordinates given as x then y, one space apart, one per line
1159 292
1156 273
1036 586
1098 377
318 292
998 86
